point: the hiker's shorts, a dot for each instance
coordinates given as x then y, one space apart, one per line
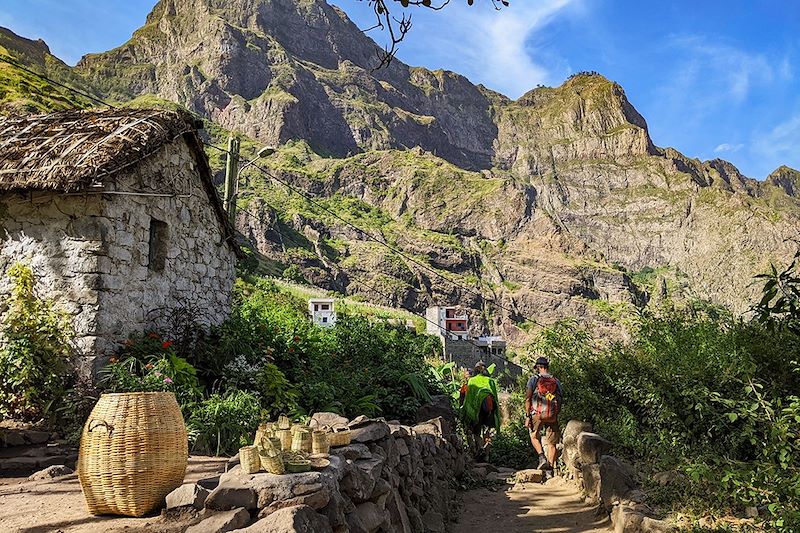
552 434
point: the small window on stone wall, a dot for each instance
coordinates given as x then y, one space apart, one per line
157 255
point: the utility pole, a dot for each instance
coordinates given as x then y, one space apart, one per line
232 177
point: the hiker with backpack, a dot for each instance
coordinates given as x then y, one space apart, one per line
543 400
479 410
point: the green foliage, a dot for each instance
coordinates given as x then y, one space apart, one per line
779 306
512 447
35 350
712 396
146 363
223 422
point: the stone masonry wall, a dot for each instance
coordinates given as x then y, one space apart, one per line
199 267
58 238
391 478
90 252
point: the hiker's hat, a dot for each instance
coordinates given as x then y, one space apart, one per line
543 361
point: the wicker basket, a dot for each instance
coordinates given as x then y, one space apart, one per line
264 430
272 462
283 422
339 437
301 442
285 436
249 459
320 443
133 453
297 466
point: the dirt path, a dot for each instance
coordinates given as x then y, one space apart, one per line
58 506
536 508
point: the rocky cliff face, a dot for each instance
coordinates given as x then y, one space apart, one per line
557 204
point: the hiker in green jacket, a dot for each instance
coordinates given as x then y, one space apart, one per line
479 410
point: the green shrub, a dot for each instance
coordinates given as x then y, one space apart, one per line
712 397
35 350
223 423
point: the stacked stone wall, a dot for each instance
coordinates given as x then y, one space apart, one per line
391 478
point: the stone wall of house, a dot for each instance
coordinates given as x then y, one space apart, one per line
198 266
91 253
466 354
56 236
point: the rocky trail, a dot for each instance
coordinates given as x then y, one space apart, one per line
554 506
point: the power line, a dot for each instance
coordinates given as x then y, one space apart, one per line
12 62
369 236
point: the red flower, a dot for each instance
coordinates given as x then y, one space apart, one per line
291 349
166 344
296 338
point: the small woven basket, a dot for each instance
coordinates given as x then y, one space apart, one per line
285 436
249 459
320 443
272 462
339 437
133 453
264 430
283 422
301 442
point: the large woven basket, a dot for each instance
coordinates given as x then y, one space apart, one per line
133 453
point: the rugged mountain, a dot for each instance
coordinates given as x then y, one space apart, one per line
557 204
21 91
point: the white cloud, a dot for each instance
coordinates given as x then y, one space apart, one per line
727 147
781 142
492 47
711 73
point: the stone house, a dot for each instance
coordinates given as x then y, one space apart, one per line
116 213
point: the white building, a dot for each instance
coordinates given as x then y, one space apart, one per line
448 322
322 311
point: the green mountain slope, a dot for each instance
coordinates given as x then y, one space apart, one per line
555 205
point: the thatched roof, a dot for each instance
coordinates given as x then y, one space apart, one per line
72 151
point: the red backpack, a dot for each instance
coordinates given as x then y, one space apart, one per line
547 401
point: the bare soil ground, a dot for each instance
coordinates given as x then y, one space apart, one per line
58 506
551 507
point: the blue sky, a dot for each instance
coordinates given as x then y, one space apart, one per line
713 78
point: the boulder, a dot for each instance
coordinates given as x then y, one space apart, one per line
35 437
298 519
631 519
359 421
231 494
434 427
375 430
360 481
272 487
591 447
352 452
617 479
209 483
573 429
398 516
440 406
222 522
531 475
11 438
190 494
368 518
51 472
380 493
316 500
434 522
331 420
